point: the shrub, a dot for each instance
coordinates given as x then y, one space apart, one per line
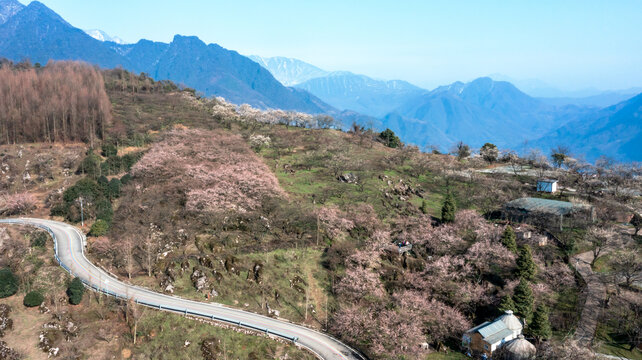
125 179
114 188
75 291
99 228
448 209
489 152
104 211
103 183
109 150
33 299
86 188
8 283
424 207
90 165
128 160
389 139
39 239
508 239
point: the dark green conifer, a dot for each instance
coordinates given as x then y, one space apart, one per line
523 299
448 209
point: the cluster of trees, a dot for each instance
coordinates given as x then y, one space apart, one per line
16 204
522 300
126 81
217 171
63 101
94 166
225 112
384 294
96 198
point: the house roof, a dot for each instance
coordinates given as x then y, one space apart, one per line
498 336
554 207
499 329
492 328
478 327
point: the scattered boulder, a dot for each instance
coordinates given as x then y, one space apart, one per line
7 353
207 261
210 349
43 308
230 265
297 280
5 322
217 276
184 266
199 279
348 178
171 273
169 288
167 285
257 270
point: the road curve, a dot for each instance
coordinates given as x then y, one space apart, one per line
69 243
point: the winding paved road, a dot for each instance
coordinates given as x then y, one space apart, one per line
69 247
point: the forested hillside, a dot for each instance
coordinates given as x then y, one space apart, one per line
61 102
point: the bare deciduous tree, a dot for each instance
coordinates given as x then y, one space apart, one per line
599 238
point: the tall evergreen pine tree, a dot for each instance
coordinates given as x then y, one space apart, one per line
424 207
523 298
508 239
506 304
526 267
448 209
75 291
540 328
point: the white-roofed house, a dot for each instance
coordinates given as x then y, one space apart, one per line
489 336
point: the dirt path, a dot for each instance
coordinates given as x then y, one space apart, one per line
596 293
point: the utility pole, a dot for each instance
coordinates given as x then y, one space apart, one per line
82 215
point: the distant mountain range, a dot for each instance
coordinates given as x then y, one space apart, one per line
555 96
480 111
477 112
37 33
103 36
342 89
289 71
615 131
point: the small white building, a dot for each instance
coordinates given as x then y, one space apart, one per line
547 185
490 336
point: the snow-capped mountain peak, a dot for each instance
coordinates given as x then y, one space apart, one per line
103 36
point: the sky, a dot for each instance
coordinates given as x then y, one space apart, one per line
566 44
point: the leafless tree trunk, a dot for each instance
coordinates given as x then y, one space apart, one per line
127 252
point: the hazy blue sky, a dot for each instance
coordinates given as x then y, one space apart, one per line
569 44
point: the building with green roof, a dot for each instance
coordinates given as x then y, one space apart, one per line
545 212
